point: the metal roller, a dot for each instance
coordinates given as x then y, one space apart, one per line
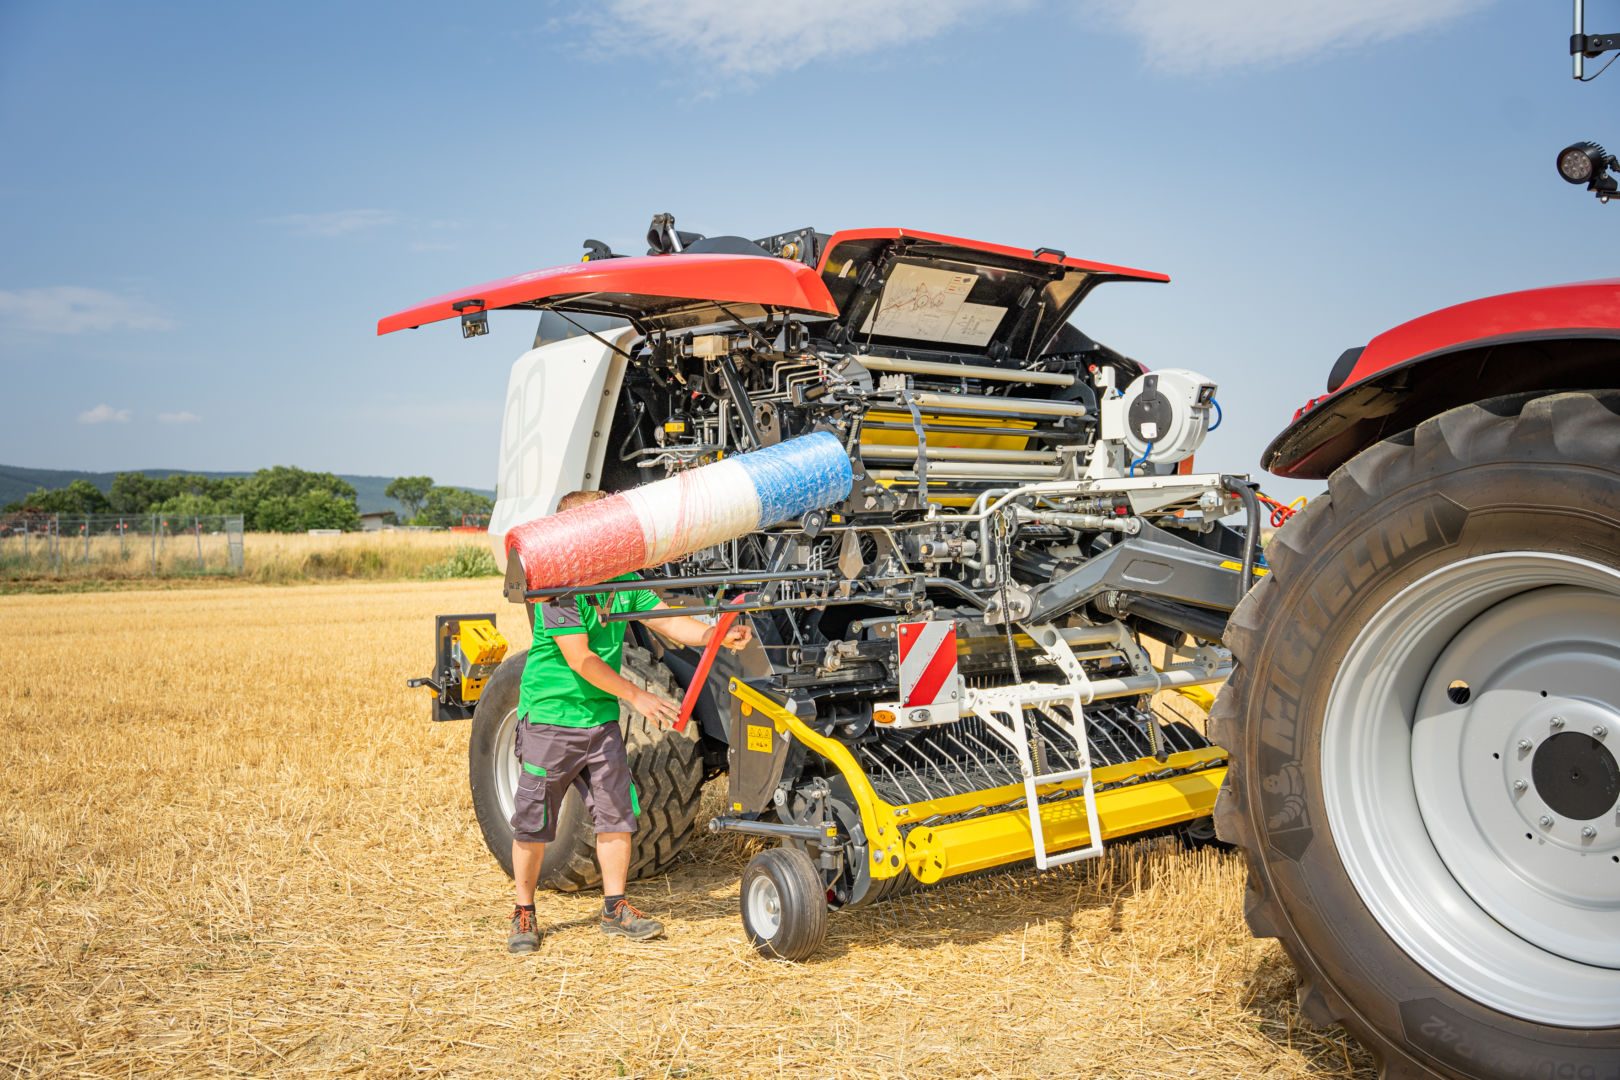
887 452
965 371
973 470
932 402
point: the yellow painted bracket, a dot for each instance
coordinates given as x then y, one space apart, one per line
480 648
995 839
884 846
1201 696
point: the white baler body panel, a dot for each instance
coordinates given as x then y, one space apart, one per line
560 400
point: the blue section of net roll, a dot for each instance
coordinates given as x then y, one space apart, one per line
811 472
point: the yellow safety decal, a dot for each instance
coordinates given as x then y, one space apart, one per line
759 738
1237 567
675 427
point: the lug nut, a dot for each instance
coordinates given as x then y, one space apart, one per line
1600 732
1557 723
1525 745
1519 785
1588 832
1546 822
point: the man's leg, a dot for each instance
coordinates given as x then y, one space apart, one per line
613 855
545 770
611 796
526 859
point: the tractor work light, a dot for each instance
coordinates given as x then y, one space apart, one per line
1588 163
1579 163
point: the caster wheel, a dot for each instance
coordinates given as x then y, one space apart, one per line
784 904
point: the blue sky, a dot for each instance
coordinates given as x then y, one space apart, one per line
206 207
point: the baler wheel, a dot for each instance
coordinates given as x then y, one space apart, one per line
784 904
1424 722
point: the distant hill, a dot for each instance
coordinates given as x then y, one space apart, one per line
16 481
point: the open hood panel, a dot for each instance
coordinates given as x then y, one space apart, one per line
902 288
653 291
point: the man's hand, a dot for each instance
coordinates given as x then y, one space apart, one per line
659 711
736 638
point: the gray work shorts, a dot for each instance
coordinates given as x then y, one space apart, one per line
553 758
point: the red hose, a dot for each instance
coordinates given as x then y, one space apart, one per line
688 703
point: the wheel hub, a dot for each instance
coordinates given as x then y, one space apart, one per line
764 906
1576 776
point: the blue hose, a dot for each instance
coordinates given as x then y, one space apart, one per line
1217 422
1141 460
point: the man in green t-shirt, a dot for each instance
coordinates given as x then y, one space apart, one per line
568 736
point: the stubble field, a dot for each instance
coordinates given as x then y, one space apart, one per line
231 843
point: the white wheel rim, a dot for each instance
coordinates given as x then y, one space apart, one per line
505 764
764 907
1426 819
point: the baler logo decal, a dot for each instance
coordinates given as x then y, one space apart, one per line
928 671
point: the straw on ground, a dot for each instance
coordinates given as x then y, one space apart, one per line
231 843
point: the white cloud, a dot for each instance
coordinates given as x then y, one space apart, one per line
181 417
75 309
334 222
1206 35
104 414
760 39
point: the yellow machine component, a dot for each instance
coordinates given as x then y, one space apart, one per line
938 437
961 847
1201 696
479 650
942 851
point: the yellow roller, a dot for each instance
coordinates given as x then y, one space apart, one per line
934 852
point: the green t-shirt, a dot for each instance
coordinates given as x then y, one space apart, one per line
552 692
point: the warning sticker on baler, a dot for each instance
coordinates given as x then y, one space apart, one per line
928 667
759 738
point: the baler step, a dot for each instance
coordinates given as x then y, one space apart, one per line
1002 710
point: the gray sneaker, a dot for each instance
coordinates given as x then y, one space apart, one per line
525 935
626 921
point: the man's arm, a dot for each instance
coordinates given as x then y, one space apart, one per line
685 630
576 650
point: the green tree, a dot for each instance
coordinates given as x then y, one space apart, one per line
450 505
187 504
278 500
136 493
322 509
277 513
79 497
410 492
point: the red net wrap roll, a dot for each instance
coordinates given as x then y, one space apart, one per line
582 546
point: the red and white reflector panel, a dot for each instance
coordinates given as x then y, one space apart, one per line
929 678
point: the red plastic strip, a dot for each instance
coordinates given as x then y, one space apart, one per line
711 650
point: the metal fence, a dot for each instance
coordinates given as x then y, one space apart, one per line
120 545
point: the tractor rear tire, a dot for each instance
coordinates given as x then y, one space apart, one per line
667 769
784 904
1427 633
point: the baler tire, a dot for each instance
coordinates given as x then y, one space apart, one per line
667 768
784 904
1522 478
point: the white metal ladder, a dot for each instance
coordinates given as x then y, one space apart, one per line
1010 702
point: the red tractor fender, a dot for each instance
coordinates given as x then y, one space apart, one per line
1562 337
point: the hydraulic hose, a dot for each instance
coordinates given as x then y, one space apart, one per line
1251 507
